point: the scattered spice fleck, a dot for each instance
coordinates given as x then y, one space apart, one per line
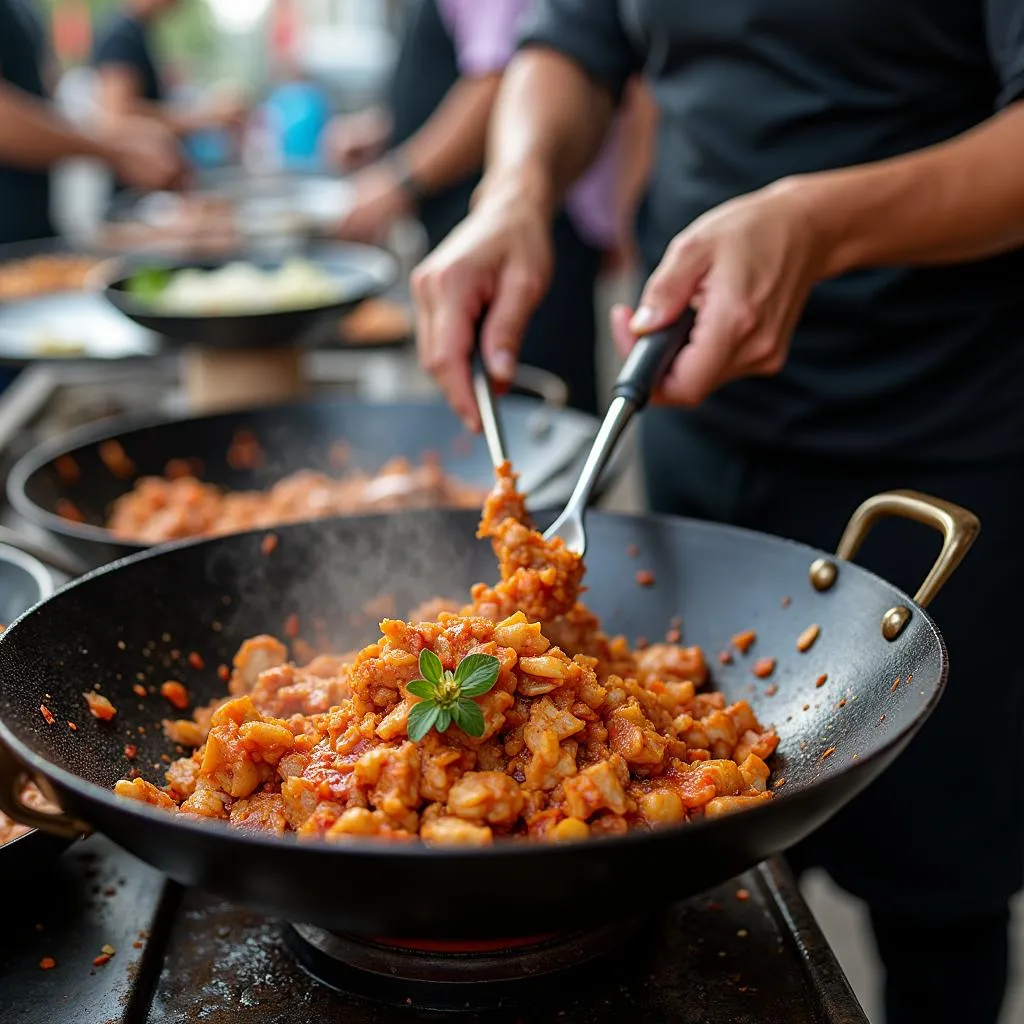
67 469
47 963
842 703
99 706
854 757
725 658
121 645
139 690
805 641
632 550
786 602
137 945
743 895
292 626
881 718
73 726
744 641
100 960
673 636
69 510
828 753
764 667
645 578
895 684
742 933
771 690
268 544
108 949
807 707
130 751
779 783
175 693
223 673
821 680
196 661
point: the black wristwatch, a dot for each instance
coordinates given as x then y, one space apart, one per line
406 179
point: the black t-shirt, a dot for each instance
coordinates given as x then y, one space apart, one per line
922 362
24 195
123 41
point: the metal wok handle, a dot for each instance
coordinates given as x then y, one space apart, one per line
13 777
959 529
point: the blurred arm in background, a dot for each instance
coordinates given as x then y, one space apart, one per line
450 145
129 83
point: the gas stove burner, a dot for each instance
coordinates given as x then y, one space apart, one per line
448 975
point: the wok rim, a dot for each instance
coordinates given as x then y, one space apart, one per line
241 840
113 428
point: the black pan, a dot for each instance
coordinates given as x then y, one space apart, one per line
23 583
547 445
361 271
208 596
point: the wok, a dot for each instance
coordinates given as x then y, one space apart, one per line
207 596
547 445
24 582
361 272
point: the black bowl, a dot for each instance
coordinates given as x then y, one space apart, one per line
362 271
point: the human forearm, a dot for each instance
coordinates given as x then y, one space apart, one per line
956 201
450 145
549 121
34 137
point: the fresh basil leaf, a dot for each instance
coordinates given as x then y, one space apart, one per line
476 674
430 666
421 688
469 717
148 282
421 719
444 719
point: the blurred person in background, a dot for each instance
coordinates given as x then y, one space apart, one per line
34 138
422 155
129 81
839 193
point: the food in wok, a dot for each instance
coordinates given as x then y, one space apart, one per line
512 717
236 288
40 275
30 797
179 505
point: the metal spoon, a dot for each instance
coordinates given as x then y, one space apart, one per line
643 371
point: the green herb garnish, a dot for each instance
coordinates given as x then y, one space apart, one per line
148 282
447 697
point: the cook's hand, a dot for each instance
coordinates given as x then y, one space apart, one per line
500 260
353 141
228 111
146 154
379 202
747 268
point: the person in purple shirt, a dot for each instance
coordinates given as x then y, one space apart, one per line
423 156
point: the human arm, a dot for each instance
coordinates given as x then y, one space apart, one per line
448 148
352 141
119 94
34 136
548 124
750 264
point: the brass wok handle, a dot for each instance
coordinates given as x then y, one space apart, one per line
13 777
959 529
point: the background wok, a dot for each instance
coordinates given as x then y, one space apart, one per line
547 446
146 614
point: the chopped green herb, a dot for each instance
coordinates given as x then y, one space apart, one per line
447 697
148 282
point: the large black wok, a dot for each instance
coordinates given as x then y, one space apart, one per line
547 446
206 597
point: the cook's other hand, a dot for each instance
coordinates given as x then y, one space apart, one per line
747 267
490 273
380 200
355 140
146 154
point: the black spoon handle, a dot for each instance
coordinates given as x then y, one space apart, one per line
648 362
